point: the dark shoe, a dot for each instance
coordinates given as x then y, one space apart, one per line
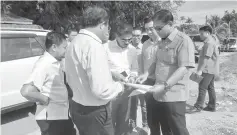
193 110
209 109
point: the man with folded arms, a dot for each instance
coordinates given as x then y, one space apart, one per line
175 56
89 77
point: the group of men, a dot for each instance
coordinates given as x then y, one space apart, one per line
88 89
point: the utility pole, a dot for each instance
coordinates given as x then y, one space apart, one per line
229 29
206 19
133 14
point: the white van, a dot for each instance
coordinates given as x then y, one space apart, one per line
232 44
20 49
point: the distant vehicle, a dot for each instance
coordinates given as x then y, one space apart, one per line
229 45
21 46
232 44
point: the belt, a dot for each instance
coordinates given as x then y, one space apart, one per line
86 109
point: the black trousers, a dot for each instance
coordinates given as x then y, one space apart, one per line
92 120
170 116
120 115
144 100
56 127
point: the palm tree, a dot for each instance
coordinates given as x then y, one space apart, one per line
228 17
215 21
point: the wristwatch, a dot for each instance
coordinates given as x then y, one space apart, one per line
167 86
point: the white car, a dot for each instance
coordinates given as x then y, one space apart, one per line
20 49
232 44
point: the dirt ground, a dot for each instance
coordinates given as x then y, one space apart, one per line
224 120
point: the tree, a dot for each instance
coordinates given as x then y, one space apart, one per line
57 15
215 21
231 19
189 20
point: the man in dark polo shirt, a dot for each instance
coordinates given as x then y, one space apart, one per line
174 58
208 67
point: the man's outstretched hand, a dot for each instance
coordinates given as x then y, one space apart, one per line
158 91
118 77
130 80
142 78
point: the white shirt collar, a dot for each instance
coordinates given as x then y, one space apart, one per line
84 31
50 57
139 46
115 45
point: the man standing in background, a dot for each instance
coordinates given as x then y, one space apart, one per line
72 32
148 55
140 99
208 68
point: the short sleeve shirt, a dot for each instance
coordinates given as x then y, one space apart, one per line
47 76
149 50
174 52
210 49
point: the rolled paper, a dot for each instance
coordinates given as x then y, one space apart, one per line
139 86
137 92
142 89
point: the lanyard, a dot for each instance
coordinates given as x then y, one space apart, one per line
90 36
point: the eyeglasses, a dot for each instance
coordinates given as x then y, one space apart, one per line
157 28
136 36
149 29
127 40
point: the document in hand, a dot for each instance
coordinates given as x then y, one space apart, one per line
139 89
196 78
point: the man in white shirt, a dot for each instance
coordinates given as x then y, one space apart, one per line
123 61
72 32
137 36
89 76
46 87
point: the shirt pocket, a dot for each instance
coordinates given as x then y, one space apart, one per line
169 56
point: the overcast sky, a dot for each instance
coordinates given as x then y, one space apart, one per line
197 10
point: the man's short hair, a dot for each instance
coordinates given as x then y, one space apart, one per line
206 29
72 27
147 19
164 15
137 28
124 28
54 38
93 16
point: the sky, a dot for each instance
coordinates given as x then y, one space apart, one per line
198 10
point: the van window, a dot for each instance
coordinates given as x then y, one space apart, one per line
17 48
232 41
41 41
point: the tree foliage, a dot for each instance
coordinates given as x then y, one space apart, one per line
57 15
231 19
214 21
189 20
